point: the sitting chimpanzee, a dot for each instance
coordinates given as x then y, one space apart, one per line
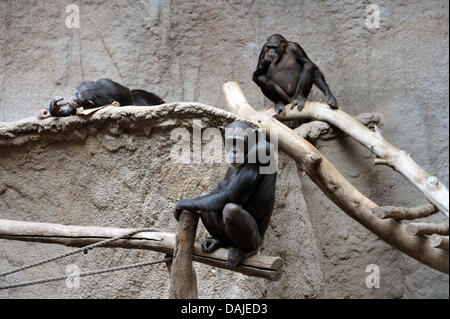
91 94
285 74
237 211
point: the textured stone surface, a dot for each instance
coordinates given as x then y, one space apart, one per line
184 50
129 180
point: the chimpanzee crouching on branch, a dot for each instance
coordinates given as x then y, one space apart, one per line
285 74
237 211
91 94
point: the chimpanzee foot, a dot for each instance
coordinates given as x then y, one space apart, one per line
211 244
43 114
55 105
55 101
279 108
300 103
331 101
236 256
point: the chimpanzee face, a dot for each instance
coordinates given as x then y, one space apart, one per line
235 147
275 47
273 53
236 136
86 98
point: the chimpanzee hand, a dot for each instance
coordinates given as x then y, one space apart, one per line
266 61
184 204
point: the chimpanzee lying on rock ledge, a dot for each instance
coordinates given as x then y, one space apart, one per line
91 94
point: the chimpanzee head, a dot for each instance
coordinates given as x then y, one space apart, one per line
239 138
275 47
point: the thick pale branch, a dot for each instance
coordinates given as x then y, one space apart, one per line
399 213
419 229
335 186
79 236
439 241
435 192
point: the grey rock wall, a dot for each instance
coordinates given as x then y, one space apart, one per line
115 170
184 51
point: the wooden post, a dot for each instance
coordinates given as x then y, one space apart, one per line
183 281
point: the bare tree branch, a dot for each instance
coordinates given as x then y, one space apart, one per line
399 213
439 241
435 192
419 229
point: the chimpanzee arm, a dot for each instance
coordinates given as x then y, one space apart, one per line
299 54
223 182
220 185
311 72
262 66
237 192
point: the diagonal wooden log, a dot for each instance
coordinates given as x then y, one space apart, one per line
335 186
78 236
435 192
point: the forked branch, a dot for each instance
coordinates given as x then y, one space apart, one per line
387 154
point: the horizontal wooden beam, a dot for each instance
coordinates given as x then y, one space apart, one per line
79 236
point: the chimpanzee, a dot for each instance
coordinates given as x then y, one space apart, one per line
237 211
285 74
90 94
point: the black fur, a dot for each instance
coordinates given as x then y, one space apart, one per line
144 98
90 94
237 211
285 74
